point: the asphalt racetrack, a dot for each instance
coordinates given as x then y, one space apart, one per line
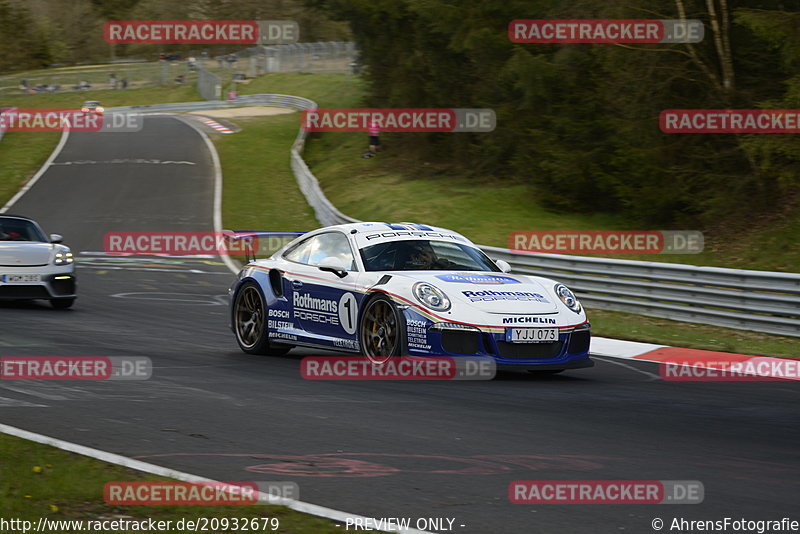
380 449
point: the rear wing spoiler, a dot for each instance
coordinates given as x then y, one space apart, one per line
257 243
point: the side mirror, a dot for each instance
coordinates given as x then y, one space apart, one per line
333 265
56 238
504 266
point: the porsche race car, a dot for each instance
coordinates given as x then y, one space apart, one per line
33 265
385 290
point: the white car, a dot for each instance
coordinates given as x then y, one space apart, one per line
33 266
385 290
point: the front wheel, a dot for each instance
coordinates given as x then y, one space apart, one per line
250 322
381 330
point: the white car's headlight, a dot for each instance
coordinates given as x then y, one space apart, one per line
63 258
431 296
568 298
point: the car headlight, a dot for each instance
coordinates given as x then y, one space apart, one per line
568 298
100 110
431 296
63 258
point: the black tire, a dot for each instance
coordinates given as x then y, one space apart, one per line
62 304
250 322
381 330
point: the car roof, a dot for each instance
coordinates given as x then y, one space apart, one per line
12 216
92 102
372 226
374 232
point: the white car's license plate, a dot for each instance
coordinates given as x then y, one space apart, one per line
21 278
531 335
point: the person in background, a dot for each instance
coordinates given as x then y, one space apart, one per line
374 140
112 80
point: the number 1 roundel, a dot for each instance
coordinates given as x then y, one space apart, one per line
348 313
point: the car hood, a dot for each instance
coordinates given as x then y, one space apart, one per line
491 292
25 253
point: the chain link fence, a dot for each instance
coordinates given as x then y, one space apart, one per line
128 75
317 58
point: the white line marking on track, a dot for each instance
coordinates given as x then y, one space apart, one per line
40 172
138 465
652 376
5 402
217 190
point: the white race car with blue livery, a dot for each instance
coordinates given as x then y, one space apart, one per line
386 290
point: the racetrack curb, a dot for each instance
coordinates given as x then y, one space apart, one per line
661 354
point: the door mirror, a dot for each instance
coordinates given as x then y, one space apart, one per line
333 265
504 266
56 238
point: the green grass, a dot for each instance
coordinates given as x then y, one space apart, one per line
21 155
42 481
327 90
260 192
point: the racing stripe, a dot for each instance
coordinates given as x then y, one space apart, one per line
419 308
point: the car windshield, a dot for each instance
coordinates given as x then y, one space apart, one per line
12 229
424 255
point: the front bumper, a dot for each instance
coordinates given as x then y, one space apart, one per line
52 286
571 351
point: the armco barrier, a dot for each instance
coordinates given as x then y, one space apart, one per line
762 301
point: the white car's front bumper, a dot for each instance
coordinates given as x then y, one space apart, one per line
54 282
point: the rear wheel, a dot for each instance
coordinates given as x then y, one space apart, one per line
381 331
62 304
250 322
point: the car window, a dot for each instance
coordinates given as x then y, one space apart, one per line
424 255
300 252
20 230
315 249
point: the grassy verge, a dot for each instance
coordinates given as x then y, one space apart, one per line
42 481
260 192
22 154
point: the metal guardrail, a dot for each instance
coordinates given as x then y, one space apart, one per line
762 301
